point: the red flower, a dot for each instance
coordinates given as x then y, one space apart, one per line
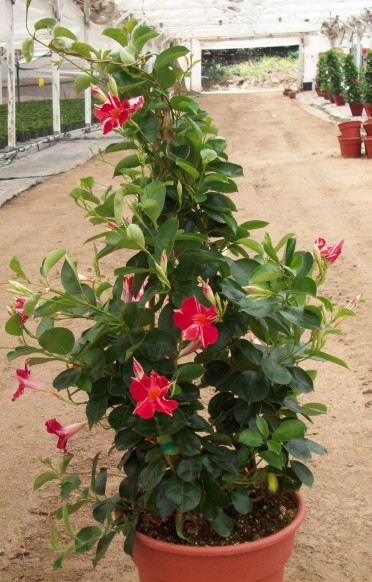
25 381
114 113
356 81
195 321
63 432
328 252
18 307
150 392
127 293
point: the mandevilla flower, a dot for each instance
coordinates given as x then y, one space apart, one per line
25 381
328 252
114 113
19 308
195 321
127 293
150 392
63 432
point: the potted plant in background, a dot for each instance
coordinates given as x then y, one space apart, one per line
366 84
321 76
351 85
193 355
335 76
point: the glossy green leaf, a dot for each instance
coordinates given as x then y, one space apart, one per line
303 473
58 340
117 35
44 478
15 265
241 501
50 260
169 55
86 538
28 49
289 429
141 35
301 317
152 474
182 495
13 326
83 82
276 373
250 438
45 23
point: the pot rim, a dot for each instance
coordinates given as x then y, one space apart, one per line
351 123
245 547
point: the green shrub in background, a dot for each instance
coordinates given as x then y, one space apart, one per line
334 70
351 84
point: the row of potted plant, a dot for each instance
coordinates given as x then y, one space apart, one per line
352 138
34 118
339 79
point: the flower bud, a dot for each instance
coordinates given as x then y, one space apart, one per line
113 86
208 293
98 93
272 483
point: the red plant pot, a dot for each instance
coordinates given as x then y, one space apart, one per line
339 100
326 96
350 128
368 126
259 561
368 145
356 108
292 95
351 147
368 110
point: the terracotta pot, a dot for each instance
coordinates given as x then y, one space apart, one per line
368 145
356 108
292 95
368 109
351 147
259 561
368 126
326 96
350 128
339 100
318 91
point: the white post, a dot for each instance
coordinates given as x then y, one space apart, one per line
56 100
1 77
87 92
195 81
359 51
9 19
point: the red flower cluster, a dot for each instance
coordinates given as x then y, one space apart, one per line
63 432
195 321
113 113
150 392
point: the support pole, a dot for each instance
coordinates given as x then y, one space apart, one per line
196 70
1 77
9 19
87 92
56 94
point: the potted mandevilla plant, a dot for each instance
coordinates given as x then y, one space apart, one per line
193 355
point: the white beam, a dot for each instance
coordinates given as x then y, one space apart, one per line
195 80
56 95
9 18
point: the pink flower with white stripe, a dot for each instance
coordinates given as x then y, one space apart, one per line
63 432
18 307
127 294
328 252
150 392
25 381
113 113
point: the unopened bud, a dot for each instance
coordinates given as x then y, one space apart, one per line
272 483
113 86
98 93
208 293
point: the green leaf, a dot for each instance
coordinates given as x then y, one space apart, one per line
301 380
314 408
135 234
223 525
67 378
277 373
189 469
117 35
298 448
272 459
65 32
262 426
303 473
20 352
241 501
15 265
266 272
184 103
50 260
83 82
131 161
101 480
141 35
83 49
86 538
44 478
152 209
151 475
165 238
30 304
289 429
69 277
102 547
58 340
301 317
306 285
189 372
182 495
319 355
251 438
28 49
228 168
128 55
193 172
169 55
45 23
13 326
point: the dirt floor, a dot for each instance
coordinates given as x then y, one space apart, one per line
296 180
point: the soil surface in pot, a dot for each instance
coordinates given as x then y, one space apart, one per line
268 516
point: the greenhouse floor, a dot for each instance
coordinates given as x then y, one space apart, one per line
31 165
